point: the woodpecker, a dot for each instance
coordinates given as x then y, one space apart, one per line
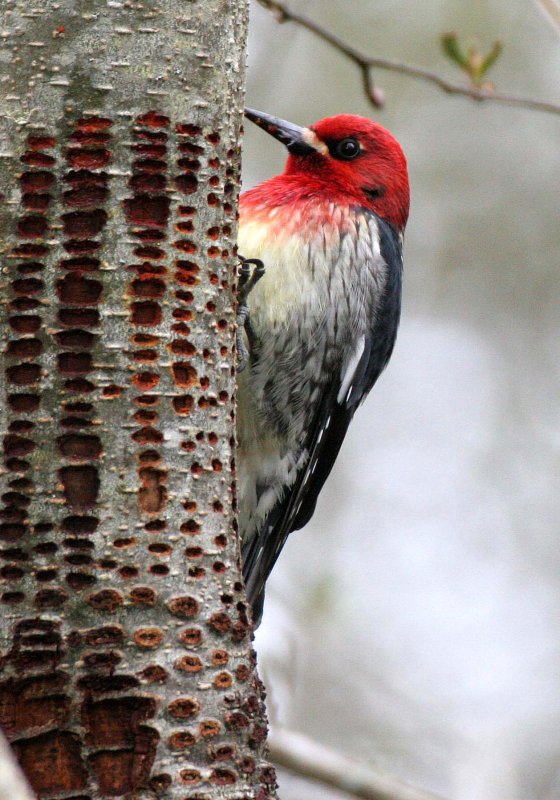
319 322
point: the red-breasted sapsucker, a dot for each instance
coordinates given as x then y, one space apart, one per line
320 324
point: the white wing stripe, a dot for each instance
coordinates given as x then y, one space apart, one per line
350 369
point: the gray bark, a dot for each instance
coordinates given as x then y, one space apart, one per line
127 667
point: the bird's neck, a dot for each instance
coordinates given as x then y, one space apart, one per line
285 208
286 190
295 201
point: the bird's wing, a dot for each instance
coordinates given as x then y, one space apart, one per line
339 403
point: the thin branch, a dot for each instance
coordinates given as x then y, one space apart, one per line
302 756
551 10
367 63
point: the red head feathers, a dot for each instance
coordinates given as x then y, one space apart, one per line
346 159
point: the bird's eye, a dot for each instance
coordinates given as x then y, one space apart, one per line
347 149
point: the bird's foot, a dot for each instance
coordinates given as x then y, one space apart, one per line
247 281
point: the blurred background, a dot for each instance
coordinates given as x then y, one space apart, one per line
414 623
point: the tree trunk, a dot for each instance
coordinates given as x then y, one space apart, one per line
127 664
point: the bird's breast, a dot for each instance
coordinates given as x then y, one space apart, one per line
317 298
300 248
287 276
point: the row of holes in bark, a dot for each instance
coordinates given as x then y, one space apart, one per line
147 214
79 547
23 370
26 372
80 295
81 580
187 273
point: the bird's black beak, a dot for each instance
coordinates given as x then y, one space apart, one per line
290 135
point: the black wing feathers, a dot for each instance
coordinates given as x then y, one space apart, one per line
327 432
381 341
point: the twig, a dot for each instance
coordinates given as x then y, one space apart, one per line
367 63
551 10
302 756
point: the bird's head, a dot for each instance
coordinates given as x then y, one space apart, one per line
348 158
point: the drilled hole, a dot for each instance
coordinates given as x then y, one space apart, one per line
147 211
85 158
25 324
84 224
78 317
77 290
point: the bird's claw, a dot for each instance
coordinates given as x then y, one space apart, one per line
246 283
248 279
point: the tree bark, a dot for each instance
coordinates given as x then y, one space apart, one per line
127 667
